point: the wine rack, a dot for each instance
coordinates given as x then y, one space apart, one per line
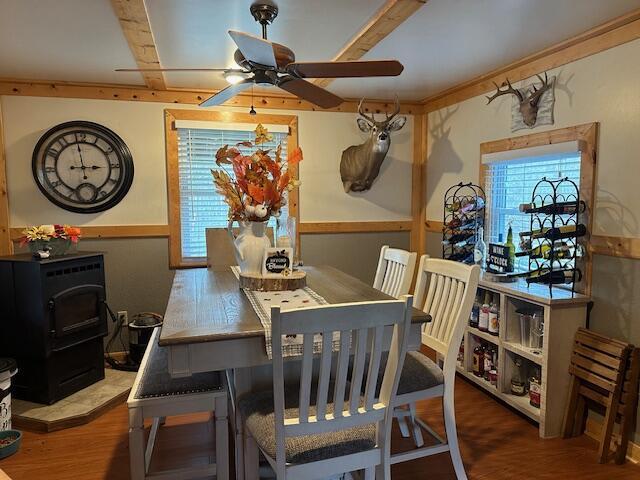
550 193
464 209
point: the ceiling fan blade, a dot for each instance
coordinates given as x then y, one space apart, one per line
373 68
310 92
227 93
177 70
254 49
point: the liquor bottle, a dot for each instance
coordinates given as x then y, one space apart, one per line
535 388
478 361
554 277
483 317
558 208
480 250
475 312
517 379
488 362
557 233
560 250
494 316
512 250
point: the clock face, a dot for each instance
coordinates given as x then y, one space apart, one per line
82 167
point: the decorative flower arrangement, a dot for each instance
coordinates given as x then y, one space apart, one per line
46 233
261 178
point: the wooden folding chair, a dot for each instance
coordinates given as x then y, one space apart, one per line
598 366
628 405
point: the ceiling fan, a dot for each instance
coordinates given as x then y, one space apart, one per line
266 63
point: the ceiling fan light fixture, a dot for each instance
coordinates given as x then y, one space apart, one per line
234 77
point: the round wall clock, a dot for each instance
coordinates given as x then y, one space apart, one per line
82 167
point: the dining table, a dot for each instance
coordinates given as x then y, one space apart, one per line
211 325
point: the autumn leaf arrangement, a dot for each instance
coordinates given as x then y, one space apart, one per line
260 181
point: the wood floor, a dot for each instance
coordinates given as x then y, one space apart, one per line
496 444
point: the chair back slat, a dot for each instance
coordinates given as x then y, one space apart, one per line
357 373
341 373
305 377
448 289
359 326
374 367
395 271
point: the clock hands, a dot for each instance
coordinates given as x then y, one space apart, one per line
84 174
84 167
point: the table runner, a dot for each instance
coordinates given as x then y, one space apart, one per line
289 299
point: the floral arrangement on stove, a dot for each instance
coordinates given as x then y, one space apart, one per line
256 192
53 240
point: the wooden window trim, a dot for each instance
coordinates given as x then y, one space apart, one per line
587 137
173 183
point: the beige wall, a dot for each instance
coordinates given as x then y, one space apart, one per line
322 136
602 88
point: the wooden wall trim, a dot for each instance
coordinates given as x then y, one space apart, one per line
110 231
616 32
6 247
389 17
418 184
136 28
54 88
356 227
433 226
623 247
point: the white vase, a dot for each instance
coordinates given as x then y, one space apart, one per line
249 246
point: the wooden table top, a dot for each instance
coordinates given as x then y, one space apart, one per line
207 305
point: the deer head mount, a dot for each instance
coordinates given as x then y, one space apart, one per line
360 164
529 99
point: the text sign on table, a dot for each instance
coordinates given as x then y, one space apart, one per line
498 258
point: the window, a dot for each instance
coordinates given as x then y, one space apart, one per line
200 206
192 139
511 183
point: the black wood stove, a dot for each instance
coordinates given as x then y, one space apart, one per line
52 321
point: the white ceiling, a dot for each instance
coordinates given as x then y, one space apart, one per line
446 42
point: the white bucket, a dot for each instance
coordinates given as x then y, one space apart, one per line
7 370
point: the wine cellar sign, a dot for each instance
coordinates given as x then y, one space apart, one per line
498 258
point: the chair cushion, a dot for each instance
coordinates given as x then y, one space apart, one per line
157 382
419 372
257 409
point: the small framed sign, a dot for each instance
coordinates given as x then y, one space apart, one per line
498 259
277 262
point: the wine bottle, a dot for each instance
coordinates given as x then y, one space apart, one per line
494 316
554 277
457 238
560 250
557 233
475 312
558 208
483 317
480 250
512 250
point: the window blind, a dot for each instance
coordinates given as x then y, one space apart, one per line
200 206
510 183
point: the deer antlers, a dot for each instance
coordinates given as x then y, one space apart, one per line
370 118
533 96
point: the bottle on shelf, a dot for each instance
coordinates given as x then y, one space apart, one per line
558 208
494 315
560 250
478 361
456 238
512 250
472 205
535 388
483 317
554 277
517 379
480 250
475 312
557 233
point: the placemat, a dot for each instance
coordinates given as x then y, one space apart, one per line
292 345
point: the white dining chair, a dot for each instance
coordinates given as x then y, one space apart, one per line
395 271
307 435
445 290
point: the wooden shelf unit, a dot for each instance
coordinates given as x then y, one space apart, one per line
563 314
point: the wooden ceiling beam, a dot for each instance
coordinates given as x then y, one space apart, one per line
134 21
391 15
44 88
